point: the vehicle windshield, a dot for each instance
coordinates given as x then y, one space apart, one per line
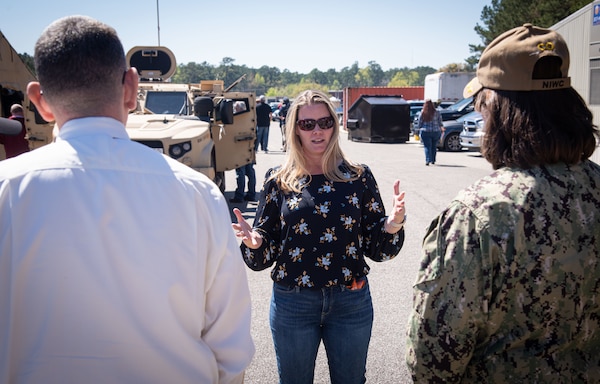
167 102
460 104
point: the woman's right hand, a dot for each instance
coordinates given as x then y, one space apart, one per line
243 230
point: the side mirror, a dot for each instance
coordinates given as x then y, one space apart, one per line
226 111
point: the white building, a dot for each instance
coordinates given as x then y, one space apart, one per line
581 30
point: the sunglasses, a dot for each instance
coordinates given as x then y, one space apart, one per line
310 124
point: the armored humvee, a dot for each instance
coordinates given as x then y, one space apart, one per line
204 126
14 77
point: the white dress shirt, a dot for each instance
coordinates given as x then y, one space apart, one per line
117 265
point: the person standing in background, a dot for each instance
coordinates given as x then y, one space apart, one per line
117 263
14 145
241 173
263 122
285 106
431 129
508 286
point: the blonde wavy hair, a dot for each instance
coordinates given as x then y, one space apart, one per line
295 169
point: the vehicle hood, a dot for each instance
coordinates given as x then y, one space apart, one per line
157 127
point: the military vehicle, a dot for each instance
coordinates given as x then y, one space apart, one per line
204 126
14 77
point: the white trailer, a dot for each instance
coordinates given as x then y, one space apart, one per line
446 86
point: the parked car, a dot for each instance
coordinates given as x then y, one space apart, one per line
458 109
453 111
473 131
451 138
447 114
416 106
445 104
275 110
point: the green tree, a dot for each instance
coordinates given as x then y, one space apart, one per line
224 71
272 75
347 75
259 84
370 76
376 73
456 67
316 76
28 60
404 79
502 15
194 73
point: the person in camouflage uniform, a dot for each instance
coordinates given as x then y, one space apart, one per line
509 284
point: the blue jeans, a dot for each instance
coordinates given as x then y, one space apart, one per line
342 318
430 140
262 138
240 176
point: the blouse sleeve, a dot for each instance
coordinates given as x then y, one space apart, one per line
268 223
378 244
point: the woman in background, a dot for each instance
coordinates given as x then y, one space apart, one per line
430 130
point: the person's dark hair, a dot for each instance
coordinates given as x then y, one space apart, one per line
524 129
428 111
528 129
77 56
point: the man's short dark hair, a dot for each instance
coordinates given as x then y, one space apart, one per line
77 54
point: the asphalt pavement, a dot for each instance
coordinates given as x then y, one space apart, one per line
428 190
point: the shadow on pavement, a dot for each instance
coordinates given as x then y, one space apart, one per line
248 208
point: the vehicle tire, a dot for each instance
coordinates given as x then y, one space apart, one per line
452 142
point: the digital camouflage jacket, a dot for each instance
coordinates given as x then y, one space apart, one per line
509 284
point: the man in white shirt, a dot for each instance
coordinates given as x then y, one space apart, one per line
117 264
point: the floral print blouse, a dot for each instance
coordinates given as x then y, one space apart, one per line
320 237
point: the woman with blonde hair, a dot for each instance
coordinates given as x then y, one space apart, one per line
319 216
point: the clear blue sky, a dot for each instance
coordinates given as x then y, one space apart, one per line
296 35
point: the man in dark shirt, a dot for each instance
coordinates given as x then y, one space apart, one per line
263 121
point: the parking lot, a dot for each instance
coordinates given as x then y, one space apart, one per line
428 191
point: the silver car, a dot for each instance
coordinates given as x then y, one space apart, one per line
472 132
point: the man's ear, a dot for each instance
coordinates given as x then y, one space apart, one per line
130 82
34 92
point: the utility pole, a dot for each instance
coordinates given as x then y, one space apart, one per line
158 22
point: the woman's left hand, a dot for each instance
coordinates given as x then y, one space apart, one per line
397 216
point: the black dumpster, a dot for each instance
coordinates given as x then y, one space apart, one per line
379 119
